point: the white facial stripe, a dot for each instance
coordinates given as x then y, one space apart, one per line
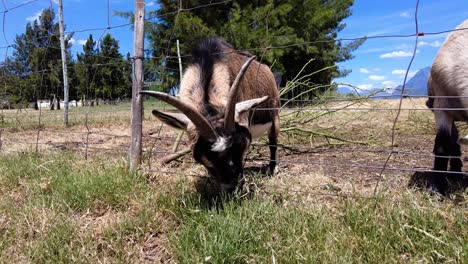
220 145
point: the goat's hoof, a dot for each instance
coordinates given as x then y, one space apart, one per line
439 183
271 171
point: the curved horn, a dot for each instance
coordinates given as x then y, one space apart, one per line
203 126
231 105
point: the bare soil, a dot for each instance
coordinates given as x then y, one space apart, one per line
343 166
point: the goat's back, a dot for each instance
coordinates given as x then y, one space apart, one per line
449 73
215 64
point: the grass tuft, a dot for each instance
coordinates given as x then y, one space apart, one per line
369 231
68 180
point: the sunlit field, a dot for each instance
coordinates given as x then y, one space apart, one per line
67 195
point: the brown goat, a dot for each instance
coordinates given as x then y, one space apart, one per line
218 94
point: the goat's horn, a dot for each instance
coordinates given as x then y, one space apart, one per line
203 126
229 113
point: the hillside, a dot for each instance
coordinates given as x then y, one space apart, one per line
417 85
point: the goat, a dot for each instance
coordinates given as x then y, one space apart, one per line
447 90
218 110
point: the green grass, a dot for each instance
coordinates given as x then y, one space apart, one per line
61 208
53 209
67 180
41 198
94 116
356 231
55 245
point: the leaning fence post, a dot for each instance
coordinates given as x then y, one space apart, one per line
181 133
64 66
137 86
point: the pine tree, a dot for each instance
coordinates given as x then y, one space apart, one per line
86 68
37 58
258 26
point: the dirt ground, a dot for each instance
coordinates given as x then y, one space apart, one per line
322 156
351 160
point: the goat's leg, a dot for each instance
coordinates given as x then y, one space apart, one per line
455 151
438 182
441 149
273 142
443 140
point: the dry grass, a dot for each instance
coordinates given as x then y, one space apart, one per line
56 206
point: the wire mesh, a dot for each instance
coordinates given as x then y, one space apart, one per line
104 129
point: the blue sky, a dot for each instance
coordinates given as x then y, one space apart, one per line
378 62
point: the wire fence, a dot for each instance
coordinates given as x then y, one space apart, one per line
348 139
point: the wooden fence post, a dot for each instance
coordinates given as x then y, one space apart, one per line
64 67
137 87
181 133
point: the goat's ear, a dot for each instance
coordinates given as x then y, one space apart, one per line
176 120
242 108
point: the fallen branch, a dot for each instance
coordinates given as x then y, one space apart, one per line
327 136
167 159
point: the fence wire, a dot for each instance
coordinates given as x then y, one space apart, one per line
105 129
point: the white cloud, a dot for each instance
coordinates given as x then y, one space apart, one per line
377 69
81 41
423 43
150 4
364 70
402 73
397 54
376 77
435 44
389 84
34 17
405 14
398 72
365 86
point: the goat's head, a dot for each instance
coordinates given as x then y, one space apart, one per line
219 144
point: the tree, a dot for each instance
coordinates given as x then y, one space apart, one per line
37 60
260 26
86 68
111 69
103 70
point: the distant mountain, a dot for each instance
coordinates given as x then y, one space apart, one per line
363 92
416 85
345 90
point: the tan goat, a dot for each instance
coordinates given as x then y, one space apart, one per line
448 97
218 94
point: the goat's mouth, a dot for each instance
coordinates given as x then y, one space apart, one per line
232 186
228 188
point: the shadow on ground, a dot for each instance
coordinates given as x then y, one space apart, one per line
210 191
442 183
